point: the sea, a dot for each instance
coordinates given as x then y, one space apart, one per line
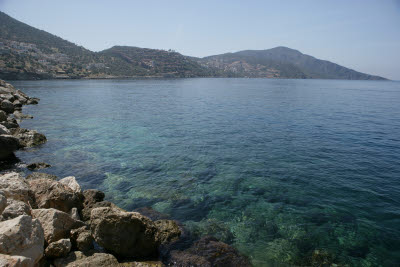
289 172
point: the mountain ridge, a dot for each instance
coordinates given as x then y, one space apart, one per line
30 53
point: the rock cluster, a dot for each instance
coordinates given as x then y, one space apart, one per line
47 221
12 137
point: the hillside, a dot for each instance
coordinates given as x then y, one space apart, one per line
280 62
30 53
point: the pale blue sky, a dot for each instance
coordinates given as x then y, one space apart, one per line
359 34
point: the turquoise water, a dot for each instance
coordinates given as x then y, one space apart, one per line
291 172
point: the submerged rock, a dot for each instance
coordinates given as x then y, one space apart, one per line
22 236
56 224
127 234
29 138
41 175
38 166
53 194
168 231
208 251
58 249
89 259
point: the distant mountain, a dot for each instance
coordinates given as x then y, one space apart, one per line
30 53
280 62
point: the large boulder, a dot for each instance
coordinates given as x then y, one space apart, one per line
53 194
8 144
29 138
127 234
88 259
7 106
15 208
71 182
56 224
208 251
22 236
58 249
87 210
15 187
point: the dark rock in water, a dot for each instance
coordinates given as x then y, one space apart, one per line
7 106
41 175
208 251
151 213
168 231
29 138
92 196
38 166
53 194
8 144
19 115
33 101
127 234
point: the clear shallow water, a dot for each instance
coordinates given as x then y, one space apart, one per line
280 169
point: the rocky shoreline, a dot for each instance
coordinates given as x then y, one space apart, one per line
47 221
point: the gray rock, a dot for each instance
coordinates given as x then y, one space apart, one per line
15 187
20 116
75 214
56 224
7 106
15 208
89 259
33 101
58 249
53 194
127 234
38 166
22 236
41 175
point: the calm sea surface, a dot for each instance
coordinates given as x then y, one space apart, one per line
287 171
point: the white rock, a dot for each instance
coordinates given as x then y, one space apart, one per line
15 187
22 236
71 182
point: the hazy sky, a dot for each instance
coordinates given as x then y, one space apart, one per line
360 34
